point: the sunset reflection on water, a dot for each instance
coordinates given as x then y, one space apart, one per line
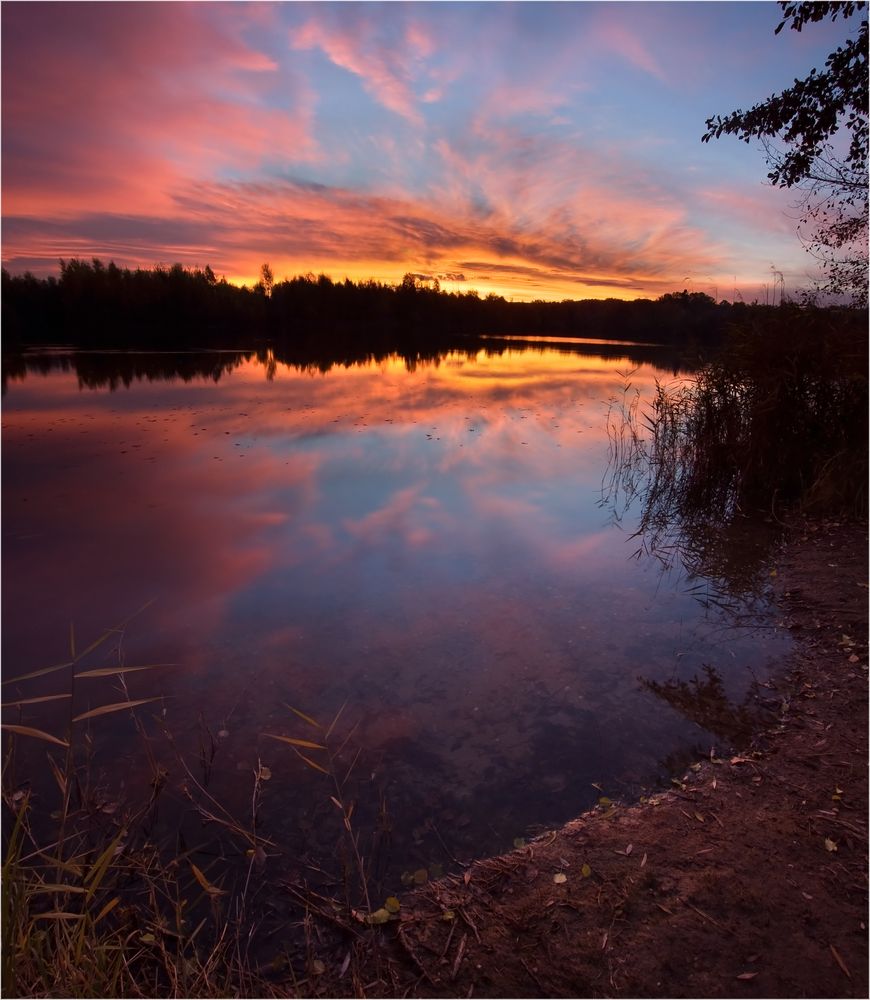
423 542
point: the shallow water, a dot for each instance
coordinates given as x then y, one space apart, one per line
424 544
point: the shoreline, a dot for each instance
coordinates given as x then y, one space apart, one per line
748 878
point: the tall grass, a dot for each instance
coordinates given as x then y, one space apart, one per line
776 423
92 906
101 898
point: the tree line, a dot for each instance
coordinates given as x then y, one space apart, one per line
96 305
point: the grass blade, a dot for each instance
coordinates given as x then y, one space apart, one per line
296 743
98 870
118 706
38 673
56 887
110 671
335 720
33 701
311 763
304 717
107 909
37 733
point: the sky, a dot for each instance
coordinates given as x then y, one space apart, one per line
531 150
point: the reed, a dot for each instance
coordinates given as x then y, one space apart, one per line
776 423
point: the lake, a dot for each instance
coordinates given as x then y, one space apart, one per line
423 547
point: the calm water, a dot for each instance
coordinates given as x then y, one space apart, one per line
423 544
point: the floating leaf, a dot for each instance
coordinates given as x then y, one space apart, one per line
585 871
392 904
560 877
212 890
223 734
605 801
37 733
258 854
519 842
830 845
118 706
296 743
421 876
264 773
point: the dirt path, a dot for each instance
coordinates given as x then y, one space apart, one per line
749 879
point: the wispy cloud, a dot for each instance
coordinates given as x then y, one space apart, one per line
509 143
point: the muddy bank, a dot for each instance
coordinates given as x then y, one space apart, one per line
748 878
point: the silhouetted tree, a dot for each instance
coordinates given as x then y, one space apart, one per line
267 279
805 117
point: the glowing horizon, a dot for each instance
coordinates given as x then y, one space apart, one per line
532 151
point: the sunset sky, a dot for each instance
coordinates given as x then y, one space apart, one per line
533 150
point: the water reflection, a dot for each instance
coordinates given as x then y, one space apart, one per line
420 539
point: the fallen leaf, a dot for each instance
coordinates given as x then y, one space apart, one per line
629 849
519 842
747 975
317 967
448 915
853 658
830 845
380 916
421 876
560 877
392 904
586 871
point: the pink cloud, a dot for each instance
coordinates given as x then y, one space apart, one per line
614 36
106 111
355 44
